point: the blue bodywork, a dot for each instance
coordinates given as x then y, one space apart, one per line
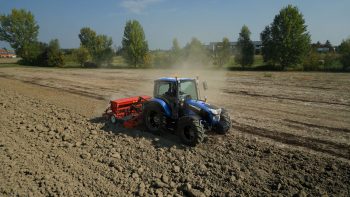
165 107
206 107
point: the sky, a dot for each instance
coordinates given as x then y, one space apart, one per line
164 20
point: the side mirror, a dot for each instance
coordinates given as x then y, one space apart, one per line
205 85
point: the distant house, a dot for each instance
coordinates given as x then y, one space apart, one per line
213 46
325 49
7 54
322 49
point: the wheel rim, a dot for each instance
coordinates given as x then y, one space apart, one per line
113 119
154 120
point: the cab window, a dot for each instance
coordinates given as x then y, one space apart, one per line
164 88
188 88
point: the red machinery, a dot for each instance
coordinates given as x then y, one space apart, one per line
128 111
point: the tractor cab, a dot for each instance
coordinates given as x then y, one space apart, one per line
180 88
174 92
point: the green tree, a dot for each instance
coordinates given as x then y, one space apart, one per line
268 49
245 48
99 46
87 38
224 52
286 41
135 46
82 55
312 61
34 54
20 30
54 54
344 50
103 52
42 54
331 61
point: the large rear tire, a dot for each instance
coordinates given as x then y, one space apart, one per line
154 118
191 131
224 124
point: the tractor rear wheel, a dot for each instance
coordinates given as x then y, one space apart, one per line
154 118
224 124
191 131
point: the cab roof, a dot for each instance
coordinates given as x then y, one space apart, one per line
173 79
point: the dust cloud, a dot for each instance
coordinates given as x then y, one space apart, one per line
215 78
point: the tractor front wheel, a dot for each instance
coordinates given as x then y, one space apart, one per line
190 130
224 124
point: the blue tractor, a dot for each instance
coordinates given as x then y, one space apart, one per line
176 106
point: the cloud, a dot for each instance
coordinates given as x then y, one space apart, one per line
137 6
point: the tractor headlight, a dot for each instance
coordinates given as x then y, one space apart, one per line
215 111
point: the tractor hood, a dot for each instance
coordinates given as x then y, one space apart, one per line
201 105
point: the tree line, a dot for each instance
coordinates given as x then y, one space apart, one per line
286 44
20 30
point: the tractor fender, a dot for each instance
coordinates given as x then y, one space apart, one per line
163 105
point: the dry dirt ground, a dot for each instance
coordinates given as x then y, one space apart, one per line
290 136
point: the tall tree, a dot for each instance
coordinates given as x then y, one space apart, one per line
20 30
224 52
99 46
286 39
103 51
344 50
245 48
87 38
135 46
268 49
